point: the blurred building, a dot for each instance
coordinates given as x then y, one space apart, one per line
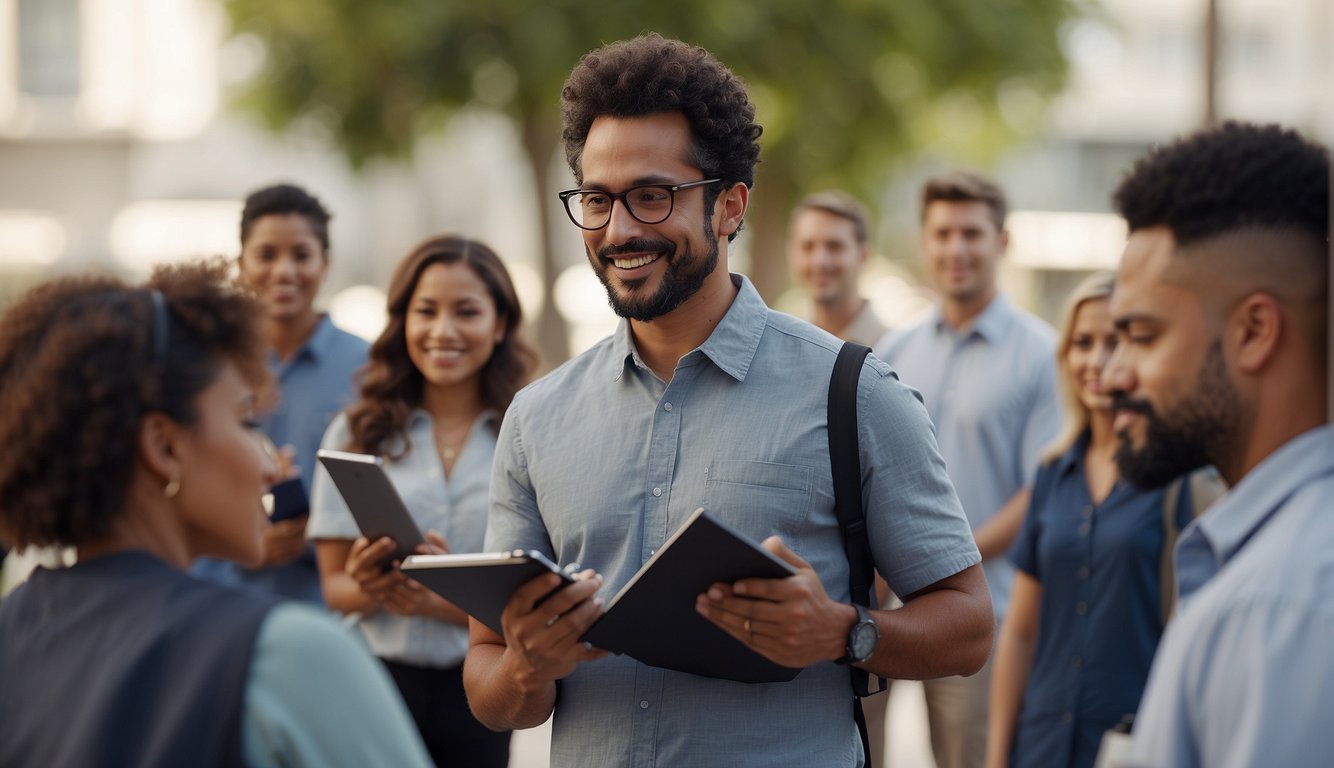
118 150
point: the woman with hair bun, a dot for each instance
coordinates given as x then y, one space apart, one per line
441 375
130 434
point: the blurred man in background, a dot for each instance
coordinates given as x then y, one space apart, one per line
827 248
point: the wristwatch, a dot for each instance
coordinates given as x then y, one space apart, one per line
862 638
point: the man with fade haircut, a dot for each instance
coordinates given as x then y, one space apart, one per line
987 372
828 243
703 397
1221 304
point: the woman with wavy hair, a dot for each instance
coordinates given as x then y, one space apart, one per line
131 434
440 377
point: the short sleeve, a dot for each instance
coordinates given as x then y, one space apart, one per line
917 528
316 697
513 520
329 516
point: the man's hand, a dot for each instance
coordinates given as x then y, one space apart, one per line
542 641
791 621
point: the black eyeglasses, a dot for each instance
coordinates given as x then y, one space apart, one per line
647 203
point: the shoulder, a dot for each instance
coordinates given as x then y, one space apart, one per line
338 434
1032 330
570 376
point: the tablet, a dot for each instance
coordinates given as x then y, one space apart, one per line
372 499
481 584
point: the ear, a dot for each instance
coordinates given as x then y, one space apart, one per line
1255 329
159 445
1004 241
732 206
501 322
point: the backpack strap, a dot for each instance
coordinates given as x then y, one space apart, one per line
845 464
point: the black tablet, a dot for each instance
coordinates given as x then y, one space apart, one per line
372 499
481 584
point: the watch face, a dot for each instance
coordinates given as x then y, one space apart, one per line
864 638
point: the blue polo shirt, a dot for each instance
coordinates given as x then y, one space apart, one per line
990 389
316 384
600 462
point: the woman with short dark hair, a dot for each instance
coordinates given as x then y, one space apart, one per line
129 433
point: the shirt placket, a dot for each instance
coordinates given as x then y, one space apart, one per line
1086 529
663 450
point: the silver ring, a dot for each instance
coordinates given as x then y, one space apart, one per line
551 622
746 624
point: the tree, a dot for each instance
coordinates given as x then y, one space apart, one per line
844 88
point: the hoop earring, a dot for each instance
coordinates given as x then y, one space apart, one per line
172 487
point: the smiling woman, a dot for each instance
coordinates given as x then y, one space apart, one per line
131 435
441 376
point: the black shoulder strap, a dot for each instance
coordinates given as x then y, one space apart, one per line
845 463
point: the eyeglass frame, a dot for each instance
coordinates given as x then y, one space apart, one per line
672 189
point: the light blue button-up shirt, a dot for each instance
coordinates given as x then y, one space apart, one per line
1245 674
990 389
600 461
454 506
314 385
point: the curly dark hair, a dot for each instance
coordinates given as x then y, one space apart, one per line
1233 177
283 199
79 368
648 75
392 386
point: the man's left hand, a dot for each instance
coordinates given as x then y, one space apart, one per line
791 621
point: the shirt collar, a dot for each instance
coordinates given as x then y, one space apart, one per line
1230 522
1071 458
320 341
732 344
991 324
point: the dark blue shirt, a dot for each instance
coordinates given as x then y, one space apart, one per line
316 384
1100 613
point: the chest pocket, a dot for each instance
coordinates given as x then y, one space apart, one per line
760 498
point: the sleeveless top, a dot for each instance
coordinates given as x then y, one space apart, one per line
123 660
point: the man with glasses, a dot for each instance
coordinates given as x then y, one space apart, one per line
705 398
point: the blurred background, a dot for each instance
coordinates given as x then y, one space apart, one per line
131 129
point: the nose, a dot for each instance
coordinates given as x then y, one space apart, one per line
284 266
622 227
443 327
1117 377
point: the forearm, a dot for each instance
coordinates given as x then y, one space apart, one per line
995 536
342 593
945 630
1009 677
501 695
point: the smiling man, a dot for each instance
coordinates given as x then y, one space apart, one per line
1221 305
705 397
827 248
987 372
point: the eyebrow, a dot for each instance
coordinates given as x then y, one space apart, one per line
639 182
1122 323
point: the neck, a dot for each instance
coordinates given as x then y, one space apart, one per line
835 316
662 342
147 524
286 336
1285 408
960 311
1102 440
455 403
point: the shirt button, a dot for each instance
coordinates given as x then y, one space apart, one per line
1084 529
643 704
1081 608
657 491
1083 572
1065 716
1087 512
667 407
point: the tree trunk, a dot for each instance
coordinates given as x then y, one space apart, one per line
766 226
539 142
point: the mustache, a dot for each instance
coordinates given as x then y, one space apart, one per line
1124 402
638 245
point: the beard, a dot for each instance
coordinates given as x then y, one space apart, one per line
682 279
1193 436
